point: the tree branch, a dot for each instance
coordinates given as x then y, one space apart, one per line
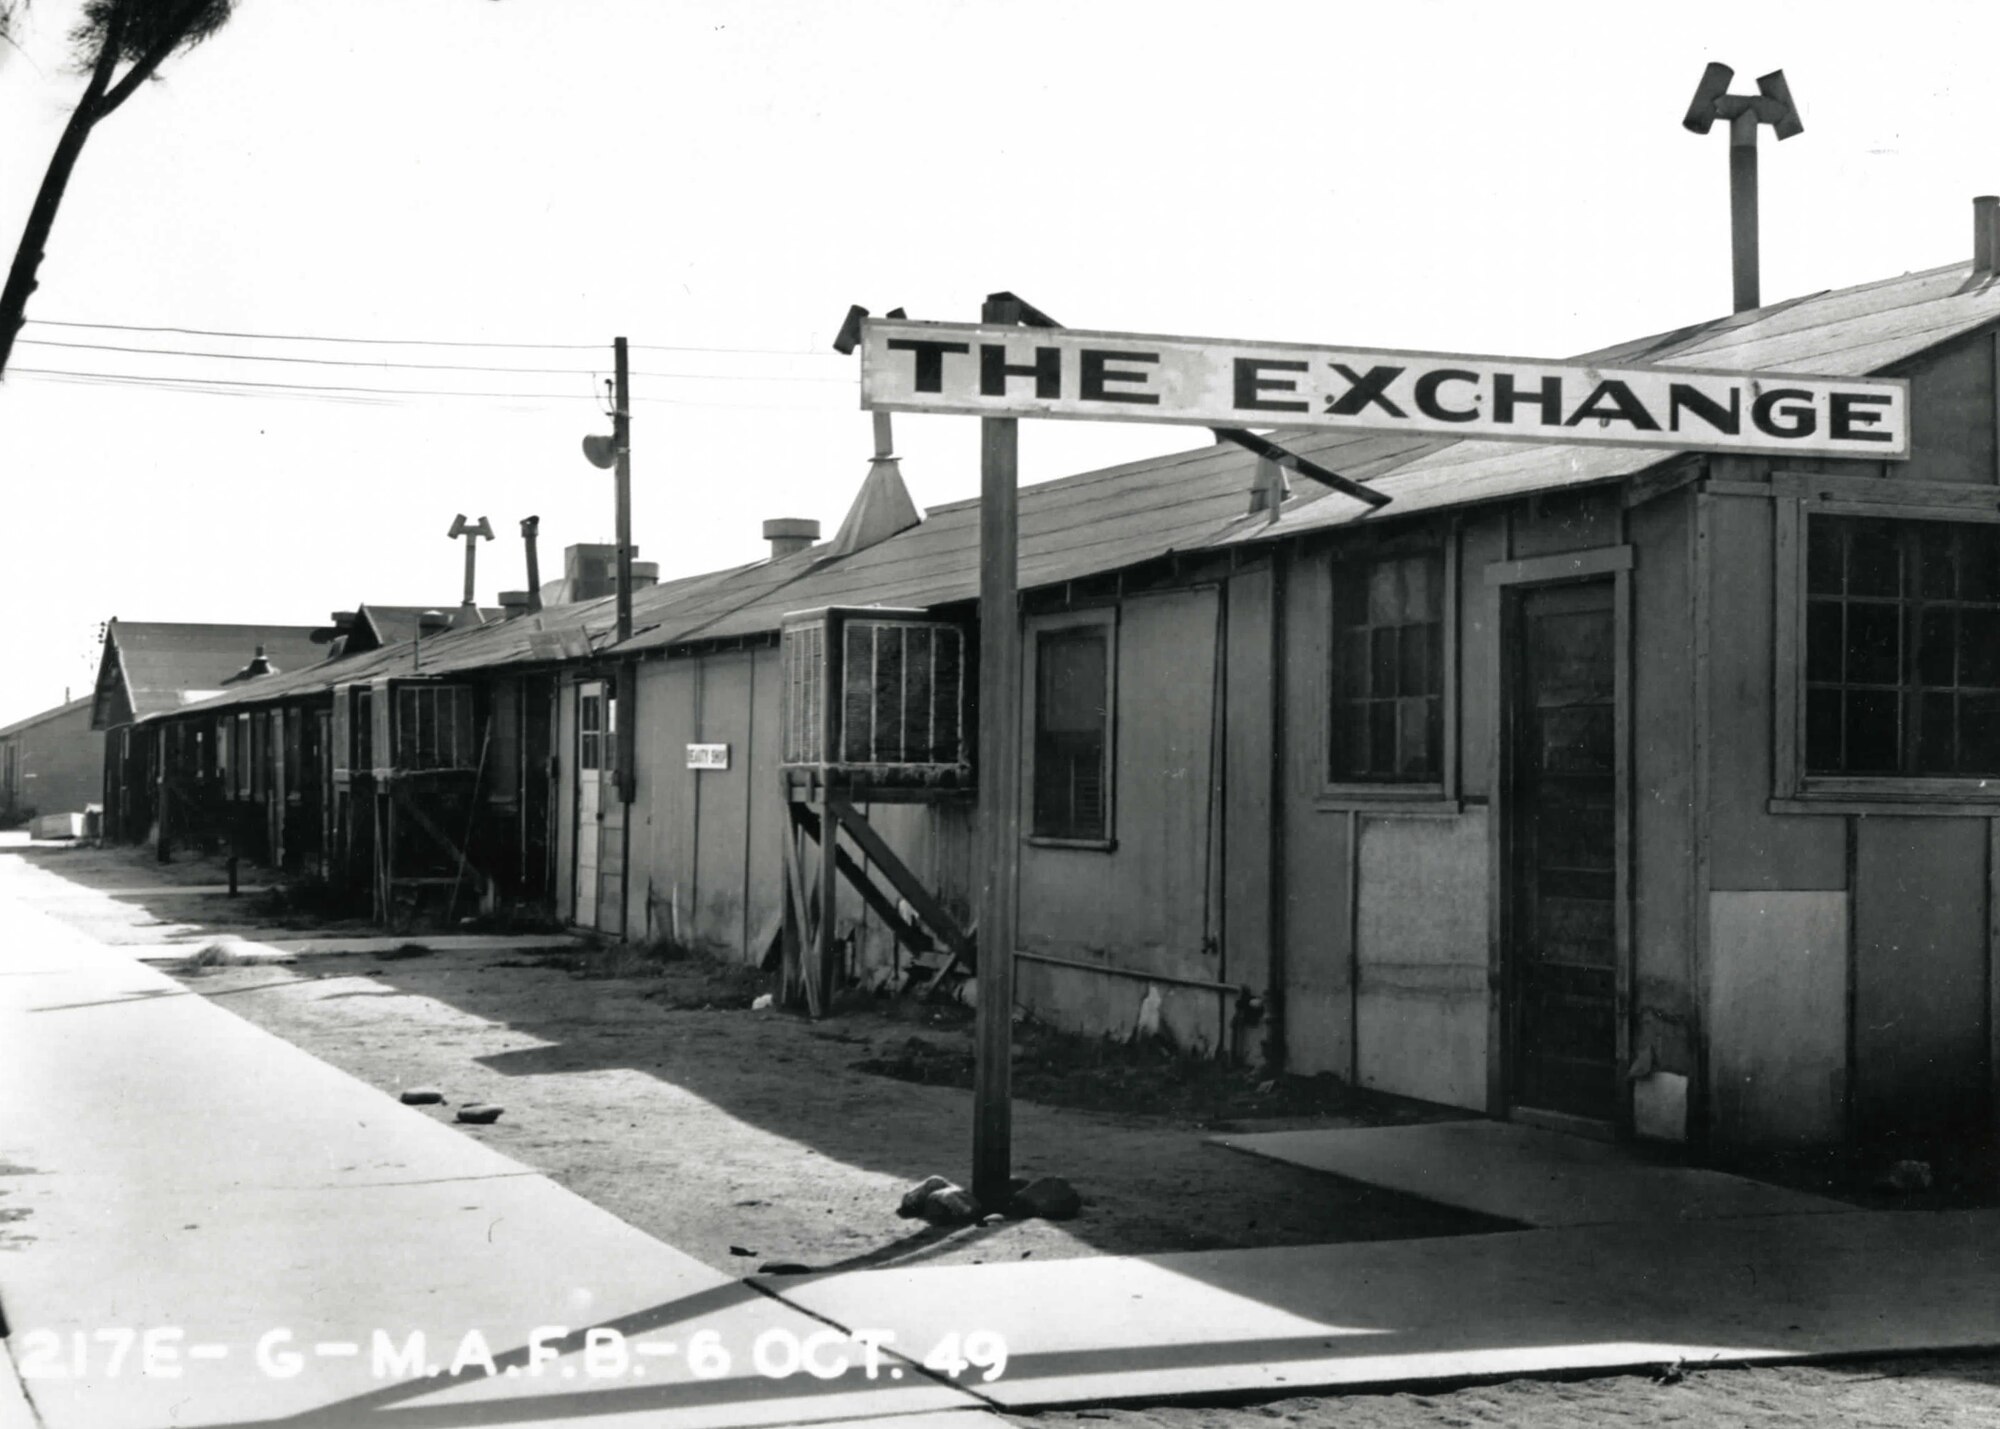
142 68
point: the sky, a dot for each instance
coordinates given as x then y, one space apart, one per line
455 185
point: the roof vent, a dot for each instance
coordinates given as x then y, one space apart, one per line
515 603
1985 212
789 535
1269 489
260 665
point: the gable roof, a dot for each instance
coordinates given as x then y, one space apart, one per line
157 667
1122 516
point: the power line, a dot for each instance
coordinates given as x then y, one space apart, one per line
150 378
423 341
415 366
237 387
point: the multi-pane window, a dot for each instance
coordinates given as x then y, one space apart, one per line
1072 727
1387 722
590 732
1902 647
434 727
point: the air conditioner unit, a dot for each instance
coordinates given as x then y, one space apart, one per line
876 697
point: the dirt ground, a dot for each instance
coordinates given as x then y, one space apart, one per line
1899 1393
749 1138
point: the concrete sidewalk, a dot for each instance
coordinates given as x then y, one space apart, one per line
1307 1319
1522 1173
276 1232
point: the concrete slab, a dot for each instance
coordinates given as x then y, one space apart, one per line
254 946
1307 1319
170 1171
164 890
1521 1173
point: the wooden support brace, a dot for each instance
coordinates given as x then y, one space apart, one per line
824 947
423 821
798 919
907 933
906 883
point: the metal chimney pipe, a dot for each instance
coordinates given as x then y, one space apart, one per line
530 527
1985 211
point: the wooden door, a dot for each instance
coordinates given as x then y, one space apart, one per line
590 752
1561 950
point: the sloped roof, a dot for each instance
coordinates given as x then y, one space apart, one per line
395 624
1121 516
1846 332
161 663
46 715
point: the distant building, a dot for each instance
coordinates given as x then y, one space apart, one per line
50 763
150 669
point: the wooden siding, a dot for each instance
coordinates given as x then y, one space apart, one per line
1316 876
1421 1015
1777 1018
1149 903
1245 851
1662 716
1920 970
1751 848
1951 414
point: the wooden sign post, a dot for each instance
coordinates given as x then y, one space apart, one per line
999 794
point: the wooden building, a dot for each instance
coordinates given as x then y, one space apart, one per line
50 763
149 669
1640 792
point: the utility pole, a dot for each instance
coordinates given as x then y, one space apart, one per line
621 445
999 791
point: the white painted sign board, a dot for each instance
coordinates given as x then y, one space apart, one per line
983 371
708 756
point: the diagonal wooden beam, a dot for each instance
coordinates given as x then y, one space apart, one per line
906 883
906 932
429 826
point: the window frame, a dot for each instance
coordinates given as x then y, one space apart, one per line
1798 497
1428 796
1105 619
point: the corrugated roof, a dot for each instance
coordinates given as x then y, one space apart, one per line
46 715
1121 516
162 662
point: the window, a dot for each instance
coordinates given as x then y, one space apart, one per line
434 727
590 732
1902 647
1072 793
1387 723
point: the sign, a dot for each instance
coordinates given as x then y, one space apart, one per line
996 371
708 756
